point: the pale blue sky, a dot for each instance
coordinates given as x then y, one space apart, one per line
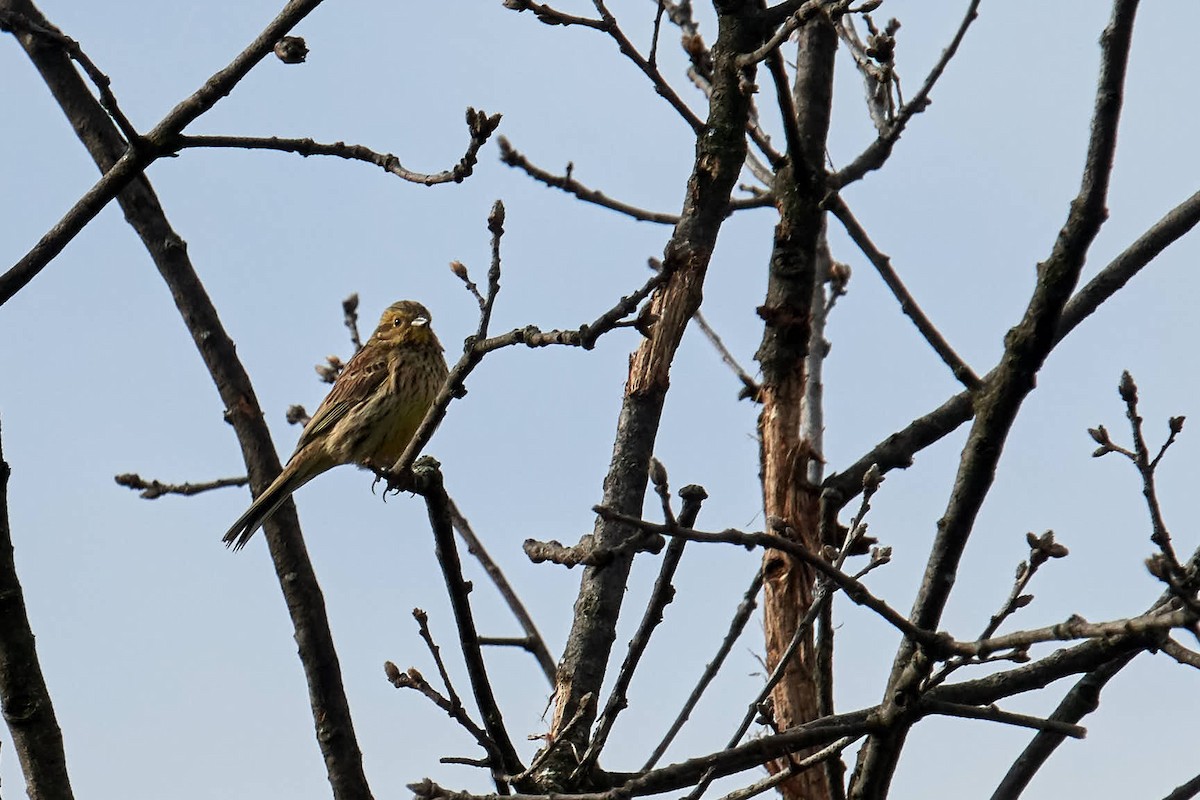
171 660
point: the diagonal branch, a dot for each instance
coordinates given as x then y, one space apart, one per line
898 449
330 709
120 170
1083 699
567 183
879 150
16 21
883 265
660 597
429 485
736 626
1026 348
532 641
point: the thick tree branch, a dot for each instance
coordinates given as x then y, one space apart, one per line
897 450
28 710
1083 699
331 713
1026 348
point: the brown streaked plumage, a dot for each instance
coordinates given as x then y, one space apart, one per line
370 414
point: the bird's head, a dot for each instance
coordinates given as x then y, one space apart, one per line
406 323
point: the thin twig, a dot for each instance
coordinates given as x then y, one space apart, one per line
532 641
495 223
883 265
736 626
811 760
479 124
13 21
649 70
874 156
1041 550
153 489
413 679
426 635
652 59
1146 468
994 714
567 183
350 318
551 16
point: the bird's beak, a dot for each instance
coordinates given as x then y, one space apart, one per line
420 322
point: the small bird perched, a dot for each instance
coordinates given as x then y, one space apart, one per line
370 414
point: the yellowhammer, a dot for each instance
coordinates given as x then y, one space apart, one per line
370 414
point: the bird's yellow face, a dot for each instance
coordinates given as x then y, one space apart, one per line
405 323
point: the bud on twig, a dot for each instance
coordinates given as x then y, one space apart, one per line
1127 388
291 50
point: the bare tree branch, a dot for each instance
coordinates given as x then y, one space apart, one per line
532 640
413 679
331 713
567 183
898 449
736 626
1185 791
1083 699
965 375
153 489
879 150
662 594
28 710
121 164
1026 348
479 124
428 483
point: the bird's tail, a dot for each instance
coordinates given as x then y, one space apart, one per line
264 506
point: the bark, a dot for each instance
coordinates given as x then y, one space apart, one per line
720 154
786 451
26 700
306 605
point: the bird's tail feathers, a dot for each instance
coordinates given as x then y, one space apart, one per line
264 506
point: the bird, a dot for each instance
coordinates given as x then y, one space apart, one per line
369 416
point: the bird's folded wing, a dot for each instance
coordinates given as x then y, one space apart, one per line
358 381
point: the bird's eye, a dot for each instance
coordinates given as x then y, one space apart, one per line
396 322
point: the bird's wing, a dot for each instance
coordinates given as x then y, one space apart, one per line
361 377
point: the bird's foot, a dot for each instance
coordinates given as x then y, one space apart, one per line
394 482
